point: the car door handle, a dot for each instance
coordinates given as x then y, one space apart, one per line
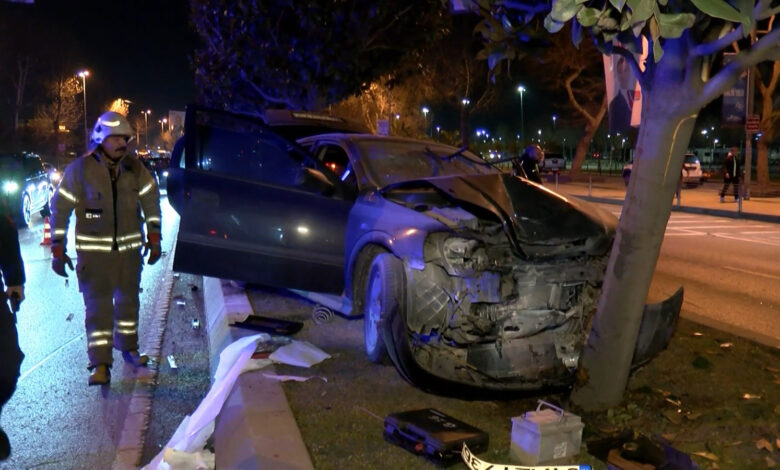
205 198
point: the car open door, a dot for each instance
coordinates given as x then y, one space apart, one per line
255 207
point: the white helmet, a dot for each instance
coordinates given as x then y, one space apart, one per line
108 124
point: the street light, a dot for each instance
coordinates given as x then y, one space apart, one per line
162 124
521 90
554 119
146 125
84 74
425 112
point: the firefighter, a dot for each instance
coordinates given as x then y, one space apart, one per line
108 188
12 270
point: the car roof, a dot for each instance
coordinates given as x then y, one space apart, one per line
297 124
366 137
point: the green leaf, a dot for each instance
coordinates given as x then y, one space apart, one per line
718 9
551 25
618 4
673 25
588 16
658 51
564 10
641 10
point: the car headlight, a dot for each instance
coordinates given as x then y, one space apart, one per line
55 176
463 254
165 174
10 187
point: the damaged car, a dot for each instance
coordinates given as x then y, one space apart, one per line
465 276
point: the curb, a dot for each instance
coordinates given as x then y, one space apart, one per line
695 210
256 427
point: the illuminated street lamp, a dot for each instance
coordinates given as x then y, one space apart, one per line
162 124
555 118
521 90
84 74
425 112
465 101
146 125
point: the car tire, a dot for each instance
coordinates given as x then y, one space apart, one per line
384 294
25 212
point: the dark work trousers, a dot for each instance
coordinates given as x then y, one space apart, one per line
726 182
109 283
10 354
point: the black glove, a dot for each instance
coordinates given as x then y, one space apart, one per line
60 260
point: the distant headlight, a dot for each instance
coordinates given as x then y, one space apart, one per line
55 176
10 187
165 174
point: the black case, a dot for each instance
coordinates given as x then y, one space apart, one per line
433 434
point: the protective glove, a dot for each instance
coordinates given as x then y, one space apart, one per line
59 260
152 248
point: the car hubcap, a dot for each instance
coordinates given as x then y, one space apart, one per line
373 313
26 211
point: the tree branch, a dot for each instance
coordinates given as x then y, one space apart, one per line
570 91
263 95
729 74
711 48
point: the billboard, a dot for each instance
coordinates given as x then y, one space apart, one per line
733 114
624 94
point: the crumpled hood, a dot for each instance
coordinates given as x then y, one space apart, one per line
531 214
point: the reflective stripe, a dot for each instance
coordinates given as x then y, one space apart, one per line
126 323
92 247
130 246
97 334
127 331
88 238
146 189
99 342
129 237
67 195
153 219
59 231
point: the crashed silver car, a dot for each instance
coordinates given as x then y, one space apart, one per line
466 276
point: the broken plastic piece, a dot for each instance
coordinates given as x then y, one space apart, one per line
172 362
274 326
299 353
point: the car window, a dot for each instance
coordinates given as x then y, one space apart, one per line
243 149
335 159
691 159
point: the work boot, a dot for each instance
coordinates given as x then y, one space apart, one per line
100 375
5 445
135 358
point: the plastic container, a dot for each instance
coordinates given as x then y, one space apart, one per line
545 435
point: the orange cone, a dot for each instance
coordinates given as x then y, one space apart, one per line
46 232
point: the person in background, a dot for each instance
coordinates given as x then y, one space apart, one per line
527 166
108 188
731 173
11 356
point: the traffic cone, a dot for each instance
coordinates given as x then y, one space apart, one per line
46 232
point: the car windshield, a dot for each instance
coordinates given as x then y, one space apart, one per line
389 161
691 159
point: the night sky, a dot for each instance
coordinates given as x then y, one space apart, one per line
137 50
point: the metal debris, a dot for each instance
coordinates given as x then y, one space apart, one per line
172 362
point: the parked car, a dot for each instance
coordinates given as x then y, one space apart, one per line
26 185
157 163
690 175
553 162
468 278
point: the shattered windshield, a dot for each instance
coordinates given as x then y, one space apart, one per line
390 161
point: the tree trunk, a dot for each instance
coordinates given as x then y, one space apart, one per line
667 126
762 164
584 143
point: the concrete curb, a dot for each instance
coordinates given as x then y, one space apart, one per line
695 210
256 427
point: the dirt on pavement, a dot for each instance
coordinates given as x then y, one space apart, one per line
712 395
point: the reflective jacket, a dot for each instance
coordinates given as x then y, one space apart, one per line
108 215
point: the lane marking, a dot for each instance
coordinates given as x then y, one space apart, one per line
754 273
46 359
762 242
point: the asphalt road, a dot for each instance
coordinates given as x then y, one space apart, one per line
54 420
730 269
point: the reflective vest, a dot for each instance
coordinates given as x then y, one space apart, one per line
108 210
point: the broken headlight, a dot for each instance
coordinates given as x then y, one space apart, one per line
464 255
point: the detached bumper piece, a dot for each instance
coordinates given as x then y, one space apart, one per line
434 435
658 324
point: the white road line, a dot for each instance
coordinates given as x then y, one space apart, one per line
758 233
45 359
762 242
752 272
684 234
720 226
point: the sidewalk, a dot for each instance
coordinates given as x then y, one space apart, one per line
256 428
698 200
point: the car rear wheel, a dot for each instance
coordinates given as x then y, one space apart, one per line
26 211
384 291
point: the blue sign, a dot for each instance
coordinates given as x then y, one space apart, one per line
734 98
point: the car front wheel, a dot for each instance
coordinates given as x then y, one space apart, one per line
25 212
384 291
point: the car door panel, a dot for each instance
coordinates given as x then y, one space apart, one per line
239 223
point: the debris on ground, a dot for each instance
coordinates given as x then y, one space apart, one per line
69 317
270 325
299 353
172 362
292 378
